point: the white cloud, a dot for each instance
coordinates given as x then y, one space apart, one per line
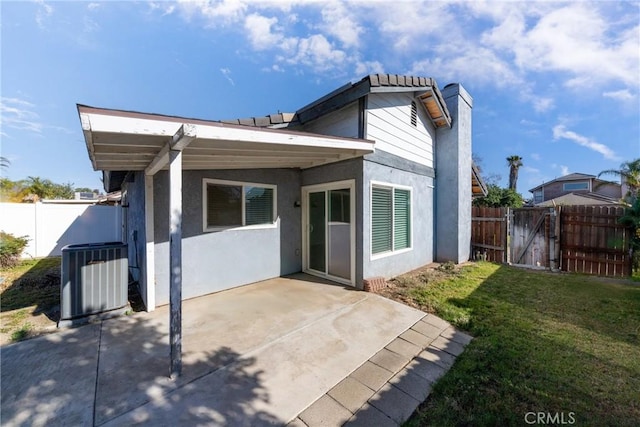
541 105
89 25
214 12
368 67
497 44
318 53
408 26
43 12
18 114
487 67
260 33
227 74
620 95
338 22
92 6
560 132
564 170
535 156
576 39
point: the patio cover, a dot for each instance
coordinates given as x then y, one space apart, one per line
119 140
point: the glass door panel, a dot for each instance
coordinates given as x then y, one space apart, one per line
317 231
339 233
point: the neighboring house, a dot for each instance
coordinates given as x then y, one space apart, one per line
578 189
373 179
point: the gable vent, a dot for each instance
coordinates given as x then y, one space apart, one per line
414 114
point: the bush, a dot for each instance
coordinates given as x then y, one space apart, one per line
11 248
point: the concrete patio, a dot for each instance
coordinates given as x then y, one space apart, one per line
294 350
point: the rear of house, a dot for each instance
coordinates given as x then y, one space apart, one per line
579 188
371 180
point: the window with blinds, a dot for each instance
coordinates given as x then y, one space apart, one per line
390 219
234 204
401 219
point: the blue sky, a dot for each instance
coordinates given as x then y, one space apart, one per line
556 83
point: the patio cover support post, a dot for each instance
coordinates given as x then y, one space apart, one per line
150 251
175 261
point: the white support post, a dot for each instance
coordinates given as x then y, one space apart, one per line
150 251
175 261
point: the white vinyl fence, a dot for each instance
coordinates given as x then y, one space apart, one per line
51 226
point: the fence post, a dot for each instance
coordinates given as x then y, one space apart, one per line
558 241
507 233
552 239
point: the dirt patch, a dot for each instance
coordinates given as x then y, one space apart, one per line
399 288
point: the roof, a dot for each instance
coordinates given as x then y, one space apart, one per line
272 120
579 199
478 186
570 177
425 87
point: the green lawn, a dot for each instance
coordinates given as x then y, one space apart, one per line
553 343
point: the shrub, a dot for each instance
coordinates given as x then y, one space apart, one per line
11 248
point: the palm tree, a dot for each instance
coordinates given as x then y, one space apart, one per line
39 187
629 174
4 162
514 163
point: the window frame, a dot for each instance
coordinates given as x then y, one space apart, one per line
243 185
392 251
585 183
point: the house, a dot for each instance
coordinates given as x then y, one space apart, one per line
373 179
577 189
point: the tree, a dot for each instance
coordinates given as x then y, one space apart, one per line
500 197
514 163
488 178
4 162
629 172
631 219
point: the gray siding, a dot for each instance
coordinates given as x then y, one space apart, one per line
343 122
214 261
389 124
422 222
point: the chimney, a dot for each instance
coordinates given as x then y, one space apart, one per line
453 179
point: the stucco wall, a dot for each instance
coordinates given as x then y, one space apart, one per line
422 215
213 261
453 179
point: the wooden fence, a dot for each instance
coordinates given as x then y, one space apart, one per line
594 242
582 239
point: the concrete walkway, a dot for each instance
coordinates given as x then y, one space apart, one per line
285 349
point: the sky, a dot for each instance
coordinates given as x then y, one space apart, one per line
555 83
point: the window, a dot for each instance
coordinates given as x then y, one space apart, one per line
229 204
537 196
414 113
570 186
390 219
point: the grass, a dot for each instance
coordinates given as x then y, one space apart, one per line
29 298
544 342
32 282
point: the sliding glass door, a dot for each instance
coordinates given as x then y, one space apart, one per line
330 230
